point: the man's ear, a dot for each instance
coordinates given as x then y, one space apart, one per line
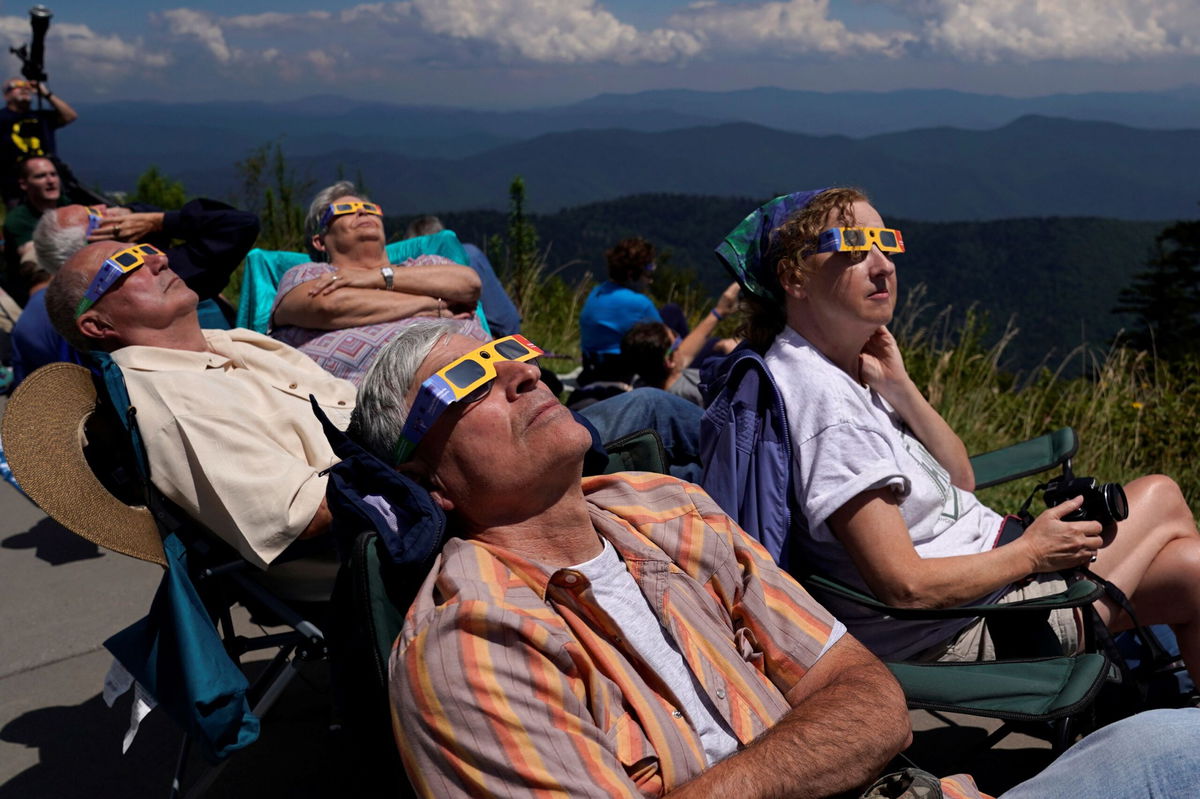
95 326
419 472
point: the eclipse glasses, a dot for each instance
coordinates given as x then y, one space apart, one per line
334 210
113 269
467 379
852 239
95 219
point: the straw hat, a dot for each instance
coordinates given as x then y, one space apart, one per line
43 434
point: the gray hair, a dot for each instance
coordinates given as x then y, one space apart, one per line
380 411
424 226
54 244
62 298
343 188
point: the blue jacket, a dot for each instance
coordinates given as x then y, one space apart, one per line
747 451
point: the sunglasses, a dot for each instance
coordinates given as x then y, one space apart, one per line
341 209
16 84
113 269
467 379
851 239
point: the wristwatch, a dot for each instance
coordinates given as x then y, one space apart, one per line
388 274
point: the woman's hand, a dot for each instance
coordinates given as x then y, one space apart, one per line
1054 544
880 365
345 278
727 302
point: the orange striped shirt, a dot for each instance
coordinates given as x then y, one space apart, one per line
509 680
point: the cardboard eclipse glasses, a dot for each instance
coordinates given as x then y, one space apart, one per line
852 239
468 379
113 269
334 210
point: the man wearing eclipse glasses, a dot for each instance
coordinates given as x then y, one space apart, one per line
224 415
204 241
619 635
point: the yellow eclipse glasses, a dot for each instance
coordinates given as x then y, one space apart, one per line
852 239
466 379
334 210
113 269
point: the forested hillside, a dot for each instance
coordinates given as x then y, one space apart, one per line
1060 277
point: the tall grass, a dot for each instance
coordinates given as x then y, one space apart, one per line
1134 414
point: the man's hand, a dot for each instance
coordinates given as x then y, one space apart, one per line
127 227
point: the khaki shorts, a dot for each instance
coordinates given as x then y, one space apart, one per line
974 642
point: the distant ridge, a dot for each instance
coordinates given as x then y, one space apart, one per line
1038 164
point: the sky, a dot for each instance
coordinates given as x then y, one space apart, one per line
502 54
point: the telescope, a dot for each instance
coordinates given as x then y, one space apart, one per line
31 55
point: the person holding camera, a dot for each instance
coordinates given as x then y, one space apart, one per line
883 488
26 132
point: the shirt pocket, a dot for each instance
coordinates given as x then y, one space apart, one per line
637 756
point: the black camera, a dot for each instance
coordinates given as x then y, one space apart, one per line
1102 502
32 55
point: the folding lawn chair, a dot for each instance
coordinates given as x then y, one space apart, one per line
746 415
75 452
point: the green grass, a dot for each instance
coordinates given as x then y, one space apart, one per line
1134 414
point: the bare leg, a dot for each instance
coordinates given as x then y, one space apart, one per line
1155 559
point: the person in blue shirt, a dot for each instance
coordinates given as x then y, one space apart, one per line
615 306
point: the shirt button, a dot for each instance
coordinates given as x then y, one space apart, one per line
341 402
293 385
678 714
720 693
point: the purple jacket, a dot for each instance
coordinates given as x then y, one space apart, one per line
747 451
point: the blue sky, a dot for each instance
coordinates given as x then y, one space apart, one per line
525 53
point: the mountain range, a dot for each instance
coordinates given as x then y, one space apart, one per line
923 154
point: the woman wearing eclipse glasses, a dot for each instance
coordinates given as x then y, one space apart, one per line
342 308
883 486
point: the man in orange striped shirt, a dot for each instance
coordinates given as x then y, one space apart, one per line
615 636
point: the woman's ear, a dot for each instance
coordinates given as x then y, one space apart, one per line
318 242
791 280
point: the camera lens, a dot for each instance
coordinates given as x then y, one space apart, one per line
1115 501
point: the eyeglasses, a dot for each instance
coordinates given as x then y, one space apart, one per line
95 218
14 85
850 239
467 379
113 269
334 210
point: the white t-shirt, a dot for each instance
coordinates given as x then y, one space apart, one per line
846 439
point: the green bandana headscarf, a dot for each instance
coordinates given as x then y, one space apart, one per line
744 250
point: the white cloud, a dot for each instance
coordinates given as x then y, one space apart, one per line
187 23
554 31
788 27
83 51
1035 30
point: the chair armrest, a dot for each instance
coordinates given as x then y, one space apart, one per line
1015 690
1080 592
1024 459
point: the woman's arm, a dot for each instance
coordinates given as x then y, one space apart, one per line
453 283
349 307
873 532
691 345
882 368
